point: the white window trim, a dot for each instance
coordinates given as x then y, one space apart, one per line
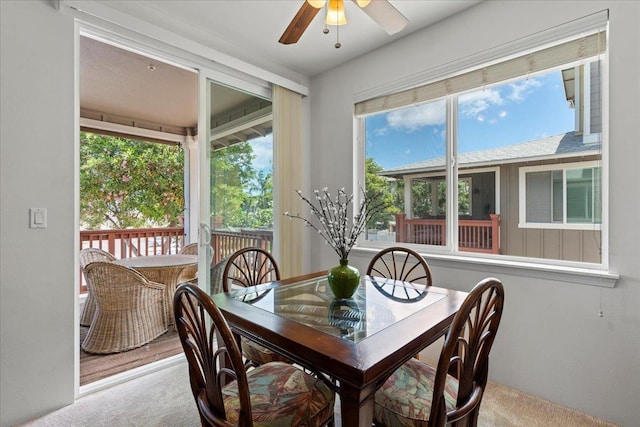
522 202
566 271
496 174
591 274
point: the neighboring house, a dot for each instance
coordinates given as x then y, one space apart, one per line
537 199
492 181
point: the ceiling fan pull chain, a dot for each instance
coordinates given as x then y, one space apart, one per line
338 37
326 12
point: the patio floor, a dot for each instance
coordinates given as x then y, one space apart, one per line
94 367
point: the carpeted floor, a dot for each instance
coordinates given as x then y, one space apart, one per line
164 398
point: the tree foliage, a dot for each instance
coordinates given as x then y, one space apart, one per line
259 206
129 184
231 174
133 184
379 188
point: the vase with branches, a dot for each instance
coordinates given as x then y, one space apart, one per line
340 225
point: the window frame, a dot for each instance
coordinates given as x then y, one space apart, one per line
579 272
564 225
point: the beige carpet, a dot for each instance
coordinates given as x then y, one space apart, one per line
164 399
508 407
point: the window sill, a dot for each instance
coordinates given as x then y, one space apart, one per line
584 276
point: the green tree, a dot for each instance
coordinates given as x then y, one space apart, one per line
379 188
421 197
259 204
129 184
231 173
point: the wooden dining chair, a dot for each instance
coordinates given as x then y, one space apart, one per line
403 264
245 268
418 394
225 393
249 267
87 256
400 263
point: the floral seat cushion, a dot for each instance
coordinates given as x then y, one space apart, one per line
405 398
260 354
282 395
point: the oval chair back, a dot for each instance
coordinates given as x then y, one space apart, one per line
87 256
249 267
400 264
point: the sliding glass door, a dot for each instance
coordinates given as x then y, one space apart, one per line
235 146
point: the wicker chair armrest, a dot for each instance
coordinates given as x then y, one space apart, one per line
154 285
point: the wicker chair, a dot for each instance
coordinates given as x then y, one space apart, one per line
190 249
228 395
217 271
130 310
87 256
420 395
245 268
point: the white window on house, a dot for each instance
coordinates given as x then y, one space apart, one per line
503 159
563 196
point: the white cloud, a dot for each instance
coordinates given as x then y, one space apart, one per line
472 104
502 114
523 87
263 150
413 118
380 131
480 118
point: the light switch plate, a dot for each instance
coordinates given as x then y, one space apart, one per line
38 218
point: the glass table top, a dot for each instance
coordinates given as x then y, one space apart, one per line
377 304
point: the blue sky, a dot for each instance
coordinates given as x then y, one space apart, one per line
263 150
508 114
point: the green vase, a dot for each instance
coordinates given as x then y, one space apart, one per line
343 280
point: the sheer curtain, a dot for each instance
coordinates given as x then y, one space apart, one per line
287 177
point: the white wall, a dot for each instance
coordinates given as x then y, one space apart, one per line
551 342
37 274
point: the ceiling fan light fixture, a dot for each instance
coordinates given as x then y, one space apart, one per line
363 3
318 4
335 13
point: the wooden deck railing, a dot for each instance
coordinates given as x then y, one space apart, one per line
126 243
224 243
473 235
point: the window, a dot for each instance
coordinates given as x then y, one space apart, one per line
527 130
566 196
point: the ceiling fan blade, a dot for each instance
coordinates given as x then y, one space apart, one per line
299 24
385 15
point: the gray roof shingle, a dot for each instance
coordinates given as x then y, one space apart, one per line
551 147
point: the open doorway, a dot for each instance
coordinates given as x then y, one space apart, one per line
138 116
131 99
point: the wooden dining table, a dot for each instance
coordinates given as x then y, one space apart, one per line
170 270
357 342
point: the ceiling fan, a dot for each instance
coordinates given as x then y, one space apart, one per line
381 11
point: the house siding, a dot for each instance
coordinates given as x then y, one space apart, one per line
566 245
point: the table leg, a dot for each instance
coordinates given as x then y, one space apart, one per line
356 405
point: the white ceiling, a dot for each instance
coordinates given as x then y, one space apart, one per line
250 29
117 86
